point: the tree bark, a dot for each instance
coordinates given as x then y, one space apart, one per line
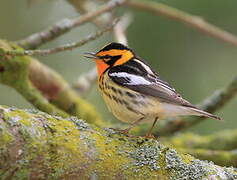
36 145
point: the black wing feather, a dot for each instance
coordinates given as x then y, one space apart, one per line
135 76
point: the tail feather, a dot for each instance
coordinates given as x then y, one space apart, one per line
200 112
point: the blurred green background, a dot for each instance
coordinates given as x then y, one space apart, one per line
195 64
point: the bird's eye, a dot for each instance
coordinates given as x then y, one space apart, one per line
106 58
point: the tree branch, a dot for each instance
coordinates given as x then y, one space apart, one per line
183 17
85 6
218 147
85 81
35 145
65 47
220 157
121 27
42 86
39 38
224 140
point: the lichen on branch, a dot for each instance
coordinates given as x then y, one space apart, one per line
37 145
42 86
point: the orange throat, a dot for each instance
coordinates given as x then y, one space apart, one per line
101 67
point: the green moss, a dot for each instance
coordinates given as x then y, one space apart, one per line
5 136
16 69
16 75
55 148
17 72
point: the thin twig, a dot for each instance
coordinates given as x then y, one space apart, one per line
183 17
211 104
85 81
65 47
85 6
121 27
39 38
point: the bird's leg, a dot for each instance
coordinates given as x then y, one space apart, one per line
149 134
126 131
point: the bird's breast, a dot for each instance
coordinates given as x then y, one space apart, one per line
125 104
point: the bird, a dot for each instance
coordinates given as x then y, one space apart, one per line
134 92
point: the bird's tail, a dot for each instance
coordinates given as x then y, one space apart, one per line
200 112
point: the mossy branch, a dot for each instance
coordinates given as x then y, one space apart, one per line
218 147
42 86
226 140
220 157
35 145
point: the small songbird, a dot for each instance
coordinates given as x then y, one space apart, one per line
133 92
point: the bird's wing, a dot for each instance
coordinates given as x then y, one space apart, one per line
138 76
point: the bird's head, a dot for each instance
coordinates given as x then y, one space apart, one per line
113 54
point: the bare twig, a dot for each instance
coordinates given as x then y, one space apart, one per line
211 104
37 39
85 81
121 27
61 48
85 6
183 17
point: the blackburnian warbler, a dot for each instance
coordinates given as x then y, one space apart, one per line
133 92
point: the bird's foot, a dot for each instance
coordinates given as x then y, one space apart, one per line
150 136
122 131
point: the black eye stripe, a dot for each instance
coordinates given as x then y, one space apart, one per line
105 57
111 60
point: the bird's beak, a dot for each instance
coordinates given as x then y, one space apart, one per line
90 55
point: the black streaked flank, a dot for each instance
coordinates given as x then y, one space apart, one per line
133 110
113 89
130 94
120 92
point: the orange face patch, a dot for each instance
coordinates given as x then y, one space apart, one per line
101 66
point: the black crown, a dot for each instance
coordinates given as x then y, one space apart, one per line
114 45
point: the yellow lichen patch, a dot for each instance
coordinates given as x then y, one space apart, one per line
65 134
55 148
110 157
18 116
65 147
5 136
